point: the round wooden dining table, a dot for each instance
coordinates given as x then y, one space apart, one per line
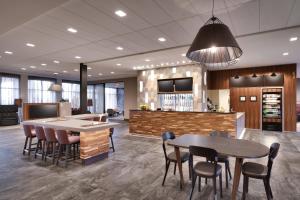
238 148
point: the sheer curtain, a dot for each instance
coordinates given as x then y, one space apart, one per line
91 95
99 97
9 90
71 92
111 98
38 91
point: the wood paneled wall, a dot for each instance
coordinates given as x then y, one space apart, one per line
220 80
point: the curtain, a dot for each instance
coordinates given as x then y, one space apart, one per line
111 98
99 97
38 91
9 90
91 95
71 92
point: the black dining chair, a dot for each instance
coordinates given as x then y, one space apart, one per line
171 157
209 169
223 158
259 171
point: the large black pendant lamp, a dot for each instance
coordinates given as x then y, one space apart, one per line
214 45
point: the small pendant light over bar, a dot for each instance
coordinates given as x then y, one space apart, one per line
214 45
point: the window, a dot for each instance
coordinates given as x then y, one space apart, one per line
110 98
99 98
9 89
38 91
71 92
91 95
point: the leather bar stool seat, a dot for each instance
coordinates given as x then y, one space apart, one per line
207 169
30 135
51 143
74 139
254 170
40 148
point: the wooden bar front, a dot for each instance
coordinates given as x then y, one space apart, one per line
156 122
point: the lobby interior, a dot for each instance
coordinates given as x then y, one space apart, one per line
127 88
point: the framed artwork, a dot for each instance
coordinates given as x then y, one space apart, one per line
253 98
242 98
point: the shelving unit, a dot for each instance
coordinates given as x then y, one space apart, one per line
176 101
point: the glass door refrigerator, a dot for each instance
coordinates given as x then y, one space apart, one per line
272 109
176 102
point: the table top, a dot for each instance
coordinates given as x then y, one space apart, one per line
71 124
231 147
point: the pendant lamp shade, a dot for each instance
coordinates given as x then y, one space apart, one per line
214 45
55 87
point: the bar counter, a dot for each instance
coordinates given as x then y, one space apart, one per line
154 123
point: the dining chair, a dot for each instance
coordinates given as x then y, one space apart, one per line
51 143
40 147
29 134
171 157
259 171
223 158
209 169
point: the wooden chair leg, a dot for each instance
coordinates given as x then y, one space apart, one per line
226 173
215 187
112 143
166 172
25 145
67 154
74 152
29 148
269 185
199 184
53 151
229 172
194 177
59 153
43 150
220 182
190 169
175 168
37 148
267 189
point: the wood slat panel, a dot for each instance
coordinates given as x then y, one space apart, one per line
156 122
220 80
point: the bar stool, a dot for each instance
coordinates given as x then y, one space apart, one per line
96 119
103 118
111 132
40 134
29 134
51 143
66 142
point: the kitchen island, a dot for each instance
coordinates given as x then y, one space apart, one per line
154 123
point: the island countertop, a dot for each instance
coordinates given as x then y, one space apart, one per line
181 122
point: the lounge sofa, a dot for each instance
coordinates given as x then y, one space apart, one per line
8 115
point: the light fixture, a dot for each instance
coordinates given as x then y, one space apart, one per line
183 54
147 60
285 54
56 61
112 72
55 87
292 39
174 70
119 48
89 68
89 75
273 74
72 30
254 75
162 39
23 68
236 77
144 73
65 71
119 64
188 73
100 74
134 68
183 62
214 44
76 70
78 57
120 13
32 67
30 45
8 52
55 73
44 64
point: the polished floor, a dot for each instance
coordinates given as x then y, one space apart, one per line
134 171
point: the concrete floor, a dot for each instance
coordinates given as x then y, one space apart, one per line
134 171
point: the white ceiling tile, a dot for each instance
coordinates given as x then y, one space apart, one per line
192 24
176 33
274 13
205 6
294 19
153 34
148 10
245 17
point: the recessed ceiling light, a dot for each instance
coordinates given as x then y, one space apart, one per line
55 73
76 70
119 48
8 52
119 64
237 59
167 63
292 39
89 75
77 57
183 61
30 45
112 72
89 68
183 54
44 64
285 53
120 13
162 39
72 30
56 61
134 68
23 68
147 60
100 74
32 67
65 71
